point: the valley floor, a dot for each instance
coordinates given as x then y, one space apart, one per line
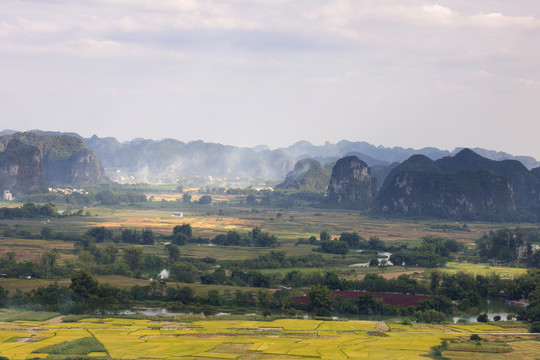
197 338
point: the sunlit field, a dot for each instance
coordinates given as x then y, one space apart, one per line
482 269
114 338
226 214
33 249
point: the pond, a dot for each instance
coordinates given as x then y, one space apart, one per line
492 308
385 257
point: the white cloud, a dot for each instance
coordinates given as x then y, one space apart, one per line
529 83
438 15
498 20
480 75
342 12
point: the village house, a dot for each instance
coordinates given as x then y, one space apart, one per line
8 196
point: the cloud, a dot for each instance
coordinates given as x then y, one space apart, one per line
529 83
344 12
480 75
498 20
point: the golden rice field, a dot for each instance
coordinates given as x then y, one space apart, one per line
482 269
238 339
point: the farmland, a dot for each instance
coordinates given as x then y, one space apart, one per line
120 338
210 220
483 269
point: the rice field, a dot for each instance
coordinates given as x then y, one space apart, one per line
118 338
483 269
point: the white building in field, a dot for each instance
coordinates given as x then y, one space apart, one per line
8 196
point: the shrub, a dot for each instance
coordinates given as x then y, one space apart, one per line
535 327
406 321
482 318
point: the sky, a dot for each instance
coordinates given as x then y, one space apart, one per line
405 73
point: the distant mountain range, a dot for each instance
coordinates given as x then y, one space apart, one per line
465 185
170 161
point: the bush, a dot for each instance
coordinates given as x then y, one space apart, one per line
535 327
482 318
406 321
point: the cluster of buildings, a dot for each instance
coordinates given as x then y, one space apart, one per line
8 196
67 191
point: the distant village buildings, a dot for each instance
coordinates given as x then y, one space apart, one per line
68 191
8 196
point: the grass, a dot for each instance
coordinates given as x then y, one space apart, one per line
82 346
31 250
21 315
120 281
208 222
480 346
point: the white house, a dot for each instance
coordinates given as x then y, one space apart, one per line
8 196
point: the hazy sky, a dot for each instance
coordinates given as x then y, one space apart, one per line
391 72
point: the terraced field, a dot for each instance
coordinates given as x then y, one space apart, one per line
114 338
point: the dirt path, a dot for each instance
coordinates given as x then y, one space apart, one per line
56 320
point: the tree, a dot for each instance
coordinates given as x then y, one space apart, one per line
320 299
482 318
100 234
367 305
108 254
373 262
352 239
205 200
46 233
173 252
3 297
186 197
183 229
219 276
133 257
131 236
213 298
375 243
535 327
435 277
251 200
324 235
182 234
148 237
83 285
262 239
334 247
47 261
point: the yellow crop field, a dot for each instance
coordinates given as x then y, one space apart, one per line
348 326
238 339
482 269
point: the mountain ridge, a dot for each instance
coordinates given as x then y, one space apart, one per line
168 160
